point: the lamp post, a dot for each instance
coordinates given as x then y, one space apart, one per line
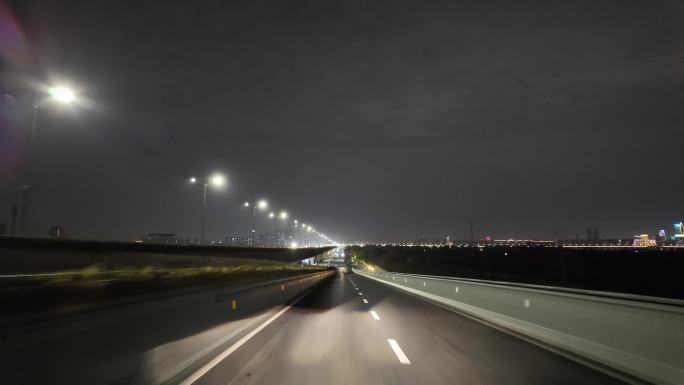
216 180
60 94
296 230
303 229
283 215
261 204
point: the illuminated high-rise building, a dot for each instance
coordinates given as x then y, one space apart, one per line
678 236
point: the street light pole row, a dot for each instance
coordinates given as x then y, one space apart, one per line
218 180
65 95
283 216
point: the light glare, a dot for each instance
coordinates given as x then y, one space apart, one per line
217 180
62 94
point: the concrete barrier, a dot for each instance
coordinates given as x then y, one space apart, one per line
642 337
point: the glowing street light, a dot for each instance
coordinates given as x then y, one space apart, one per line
216 180
261 204
271 215
62 94
283 215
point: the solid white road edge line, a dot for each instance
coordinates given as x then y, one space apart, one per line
210 365
400 353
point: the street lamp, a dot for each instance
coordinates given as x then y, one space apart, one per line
283 215
60 94
296 230
215 180
260 204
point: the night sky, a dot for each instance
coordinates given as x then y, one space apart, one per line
382 120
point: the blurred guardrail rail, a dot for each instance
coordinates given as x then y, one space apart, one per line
640 336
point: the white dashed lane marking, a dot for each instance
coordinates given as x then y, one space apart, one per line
400 353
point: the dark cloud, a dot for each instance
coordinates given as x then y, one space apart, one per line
372 119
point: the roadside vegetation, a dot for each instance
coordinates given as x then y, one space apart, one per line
58 291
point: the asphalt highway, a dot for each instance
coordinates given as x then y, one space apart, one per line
346 329
353 330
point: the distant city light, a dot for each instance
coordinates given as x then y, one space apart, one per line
283 215
246 204
192 180
271 215
262 204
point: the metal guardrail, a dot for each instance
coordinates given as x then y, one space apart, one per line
640 336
